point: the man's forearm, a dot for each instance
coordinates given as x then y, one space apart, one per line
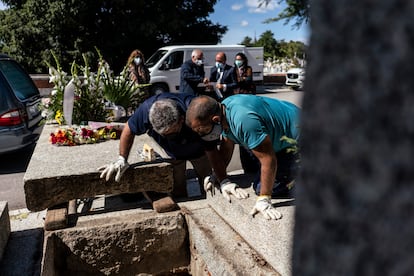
226 151
126 141
267 179
217 163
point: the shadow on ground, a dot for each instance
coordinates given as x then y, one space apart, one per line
16 162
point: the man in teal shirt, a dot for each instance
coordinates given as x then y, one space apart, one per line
269 128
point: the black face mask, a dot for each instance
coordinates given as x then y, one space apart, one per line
172 136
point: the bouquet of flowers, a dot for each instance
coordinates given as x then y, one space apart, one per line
78 135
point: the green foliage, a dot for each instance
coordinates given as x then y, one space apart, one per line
293 142
295 9
247 41
274 49
94 91
89 102
121 92
269 44
29 29
60 79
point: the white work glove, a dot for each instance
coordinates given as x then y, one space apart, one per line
209 183
229 188
118 167
264 206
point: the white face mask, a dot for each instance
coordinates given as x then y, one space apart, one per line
137 61
214 134
199 62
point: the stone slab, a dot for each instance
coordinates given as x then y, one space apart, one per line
57 174
219 250
272 239
4 226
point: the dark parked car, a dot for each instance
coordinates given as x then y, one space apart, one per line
20 115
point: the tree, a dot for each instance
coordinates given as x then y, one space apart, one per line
279 49
296 9
292 49
29 29
247 41
269 44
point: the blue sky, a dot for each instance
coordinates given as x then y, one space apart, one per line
244 18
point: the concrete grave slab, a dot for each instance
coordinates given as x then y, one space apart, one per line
272 239
57 174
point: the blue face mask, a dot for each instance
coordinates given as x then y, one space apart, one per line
238 63
219 65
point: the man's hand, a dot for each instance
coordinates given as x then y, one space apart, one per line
209 183
229 188
118 167
264 206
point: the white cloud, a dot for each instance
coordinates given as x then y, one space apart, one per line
244 23
236 7
253 6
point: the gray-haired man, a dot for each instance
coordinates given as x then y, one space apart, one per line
163 118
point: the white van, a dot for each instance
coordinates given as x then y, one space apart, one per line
165 63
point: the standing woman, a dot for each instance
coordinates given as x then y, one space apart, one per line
138 72
244 74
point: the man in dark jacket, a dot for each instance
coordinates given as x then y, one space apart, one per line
223 77
192 74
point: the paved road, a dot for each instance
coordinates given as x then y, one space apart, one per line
13 166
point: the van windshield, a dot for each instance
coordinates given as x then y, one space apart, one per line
155 58
19 81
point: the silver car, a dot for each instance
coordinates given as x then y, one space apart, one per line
20 115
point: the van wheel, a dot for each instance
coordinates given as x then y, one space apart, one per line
158 88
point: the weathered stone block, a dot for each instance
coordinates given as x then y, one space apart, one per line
57 174
119 245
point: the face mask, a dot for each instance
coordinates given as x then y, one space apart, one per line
219 65
137 60
214 134
172 136
239 63
199 62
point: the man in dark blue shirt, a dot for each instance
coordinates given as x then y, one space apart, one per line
163 118
192 74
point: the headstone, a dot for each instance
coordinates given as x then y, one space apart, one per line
355 194
68 102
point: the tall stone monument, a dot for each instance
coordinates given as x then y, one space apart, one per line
355 194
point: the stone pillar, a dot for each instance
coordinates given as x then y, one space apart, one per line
355 194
